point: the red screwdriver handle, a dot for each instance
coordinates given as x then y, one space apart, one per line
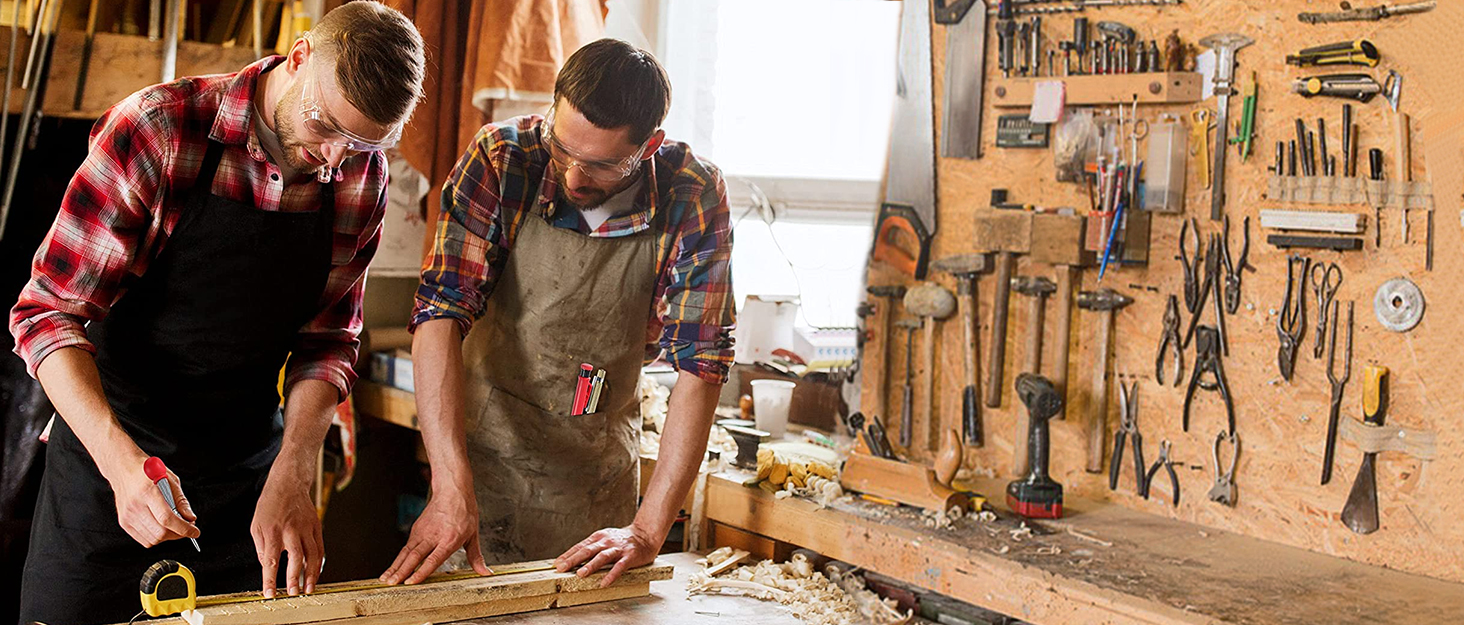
154 469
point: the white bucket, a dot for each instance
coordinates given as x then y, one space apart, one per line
770 401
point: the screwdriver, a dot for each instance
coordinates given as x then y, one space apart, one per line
155 470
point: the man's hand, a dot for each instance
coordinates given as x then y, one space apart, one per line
285 521
627 547
449 522
142 511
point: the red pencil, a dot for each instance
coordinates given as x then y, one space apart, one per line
582 389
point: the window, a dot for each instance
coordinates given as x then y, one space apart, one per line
791 99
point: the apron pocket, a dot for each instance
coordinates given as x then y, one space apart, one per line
523 432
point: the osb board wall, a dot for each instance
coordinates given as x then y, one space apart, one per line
1281 425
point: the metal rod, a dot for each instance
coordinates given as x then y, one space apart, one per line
25 125
258 29
30 61
170 43
9 76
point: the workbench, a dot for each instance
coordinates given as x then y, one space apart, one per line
1102 563
668 604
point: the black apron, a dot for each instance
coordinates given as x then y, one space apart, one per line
189 359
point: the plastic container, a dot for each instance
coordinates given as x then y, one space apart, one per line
770 401
1164 169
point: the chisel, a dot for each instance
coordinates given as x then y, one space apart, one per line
1360 513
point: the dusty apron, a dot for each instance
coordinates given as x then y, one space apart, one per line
189 358
545 479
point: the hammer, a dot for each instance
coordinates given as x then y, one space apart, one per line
1105 301
966 268
1057 240
890 293
932 302
1007 233
1037 288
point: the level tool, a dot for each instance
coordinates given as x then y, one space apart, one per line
168 587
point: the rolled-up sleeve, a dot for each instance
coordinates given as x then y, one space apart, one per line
469 244
698 314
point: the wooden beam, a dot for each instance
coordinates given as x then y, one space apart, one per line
1102 563
437 602
392 405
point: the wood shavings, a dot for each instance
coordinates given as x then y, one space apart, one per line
1021 532
941 520
1092 539
1002 550
1049 551
654 399
835 600
986 516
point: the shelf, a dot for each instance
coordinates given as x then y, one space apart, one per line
1149 88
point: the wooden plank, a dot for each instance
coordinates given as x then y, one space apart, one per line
391 405
1128 567
435 602
1152 88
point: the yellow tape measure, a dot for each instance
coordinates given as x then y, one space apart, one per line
169 588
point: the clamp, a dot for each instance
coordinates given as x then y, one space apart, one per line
1224 489
1168 465
1170 337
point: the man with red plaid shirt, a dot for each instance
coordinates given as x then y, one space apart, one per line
218 224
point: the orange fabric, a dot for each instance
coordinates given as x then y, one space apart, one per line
496 48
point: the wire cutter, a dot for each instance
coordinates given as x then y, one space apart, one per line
1168 465
1291 323
1207 360
1325 290
1169 338
1224 489
1233 269
1128 427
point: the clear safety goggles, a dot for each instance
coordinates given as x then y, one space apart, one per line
598 169
319 123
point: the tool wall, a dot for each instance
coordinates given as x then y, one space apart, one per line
1281 425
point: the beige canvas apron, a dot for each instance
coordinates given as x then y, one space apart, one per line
545 479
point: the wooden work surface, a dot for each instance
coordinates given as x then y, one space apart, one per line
1131 567
1281 424
668 604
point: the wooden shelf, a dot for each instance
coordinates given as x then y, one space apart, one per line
1129 567
1150 88
388 404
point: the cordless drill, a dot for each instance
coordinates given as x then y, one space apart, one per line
1037 496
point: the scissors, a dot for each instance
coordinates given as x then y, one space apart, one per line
1326 278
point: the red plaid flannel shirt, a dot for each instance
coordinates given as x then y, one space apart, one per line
123 202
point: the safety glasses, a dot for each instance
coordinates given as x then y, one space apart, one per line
598 169
319 123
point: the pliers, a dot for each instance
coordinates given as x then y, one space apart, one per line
1224 489
1207 360
1232 269
1212 283
1170 337
1291 323
1168 465
1191 266
1128 427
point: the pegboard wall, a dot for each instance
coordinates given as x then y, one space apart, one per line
1281 424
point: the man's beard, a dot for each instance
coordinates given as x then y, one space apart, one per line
593 197
286 111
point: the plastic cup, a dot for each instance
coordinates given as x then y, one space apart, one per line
770 401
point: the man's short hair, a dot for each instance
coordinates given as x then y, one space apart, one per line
614 85
378 55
